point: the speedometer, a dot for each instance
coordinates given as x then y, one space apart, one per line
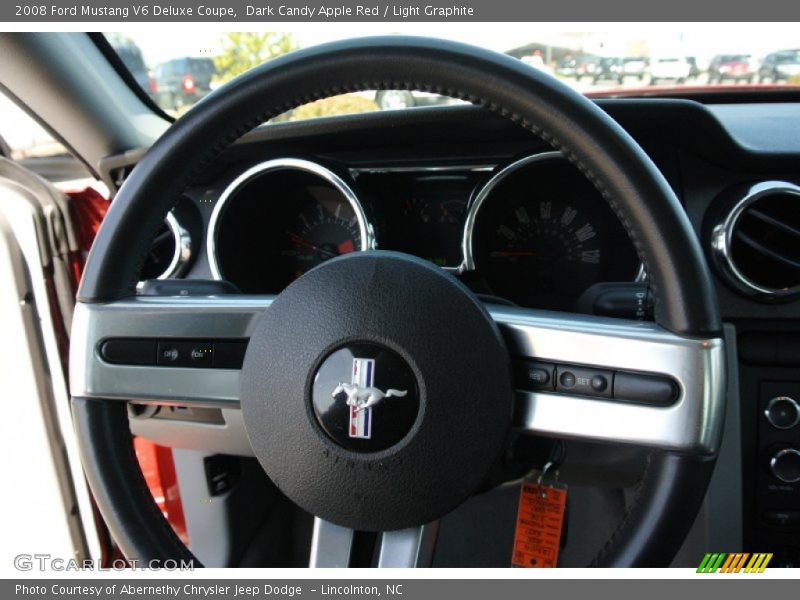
543 235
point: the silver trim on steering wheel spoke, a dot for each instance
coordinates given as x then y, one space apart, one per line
692 424
406 548
332 545
162 318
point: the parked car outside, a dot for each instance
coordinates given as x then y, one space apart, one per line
399 99
586 66
608 69
669 68
731 67
183 81
779 66
634 66
567 66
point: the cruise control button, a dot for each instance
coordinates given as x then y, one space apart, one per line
534 376
168 354
200 355
185 354
647 389
567 379
599 383
584 381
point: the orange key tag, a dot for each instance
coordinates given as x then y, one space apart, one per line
540 519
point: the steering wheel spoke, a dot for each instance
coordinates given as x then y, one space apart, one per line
332 546
624 353
160 322
412 547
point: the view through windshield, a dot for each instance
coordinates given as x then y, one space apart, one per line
177 70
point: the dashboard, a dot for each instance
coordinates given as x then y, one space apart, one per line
530 231
517 223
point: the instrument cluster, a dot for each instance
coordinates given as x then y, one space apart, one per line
534 232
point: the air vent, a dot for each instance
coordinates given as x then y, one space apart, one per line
757 245
169 252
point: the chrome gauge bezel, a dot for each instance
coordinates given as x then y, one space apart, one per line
468 262
467 254
182 254
365 229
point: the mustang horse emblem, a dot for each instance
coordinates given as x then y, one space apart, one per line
362 395
365 397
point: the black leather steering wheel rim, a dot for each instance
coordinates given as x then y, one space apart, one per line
673 485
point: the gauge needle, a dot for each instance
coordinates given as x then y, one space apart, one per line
305 243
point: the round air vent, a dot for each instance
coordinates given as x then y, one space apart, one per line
756 243
169 252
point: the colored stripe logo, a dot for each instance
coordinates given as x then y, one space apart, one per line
361 420
739 562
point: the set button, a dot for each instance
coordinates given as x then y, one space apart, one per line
584 381
642 388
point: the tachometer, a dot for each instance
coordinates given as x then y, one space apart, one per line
321 231
280 219
543 235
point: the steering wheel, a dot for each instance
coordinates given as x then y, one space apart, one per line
387 324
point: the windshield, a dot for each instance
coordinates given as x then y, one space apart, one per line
636 59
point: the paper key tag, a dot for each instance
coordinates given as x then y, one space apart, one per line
540 520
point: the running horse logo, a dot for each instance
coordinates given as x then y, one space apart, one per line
364 398
362 395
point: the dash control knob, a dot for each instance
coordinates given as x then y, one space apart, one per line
782 412
785 465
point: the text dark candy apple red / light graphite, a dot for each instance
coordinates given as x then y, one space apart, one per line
402 11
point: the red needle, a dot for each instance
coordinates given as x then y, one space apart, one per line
300 241
304 242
